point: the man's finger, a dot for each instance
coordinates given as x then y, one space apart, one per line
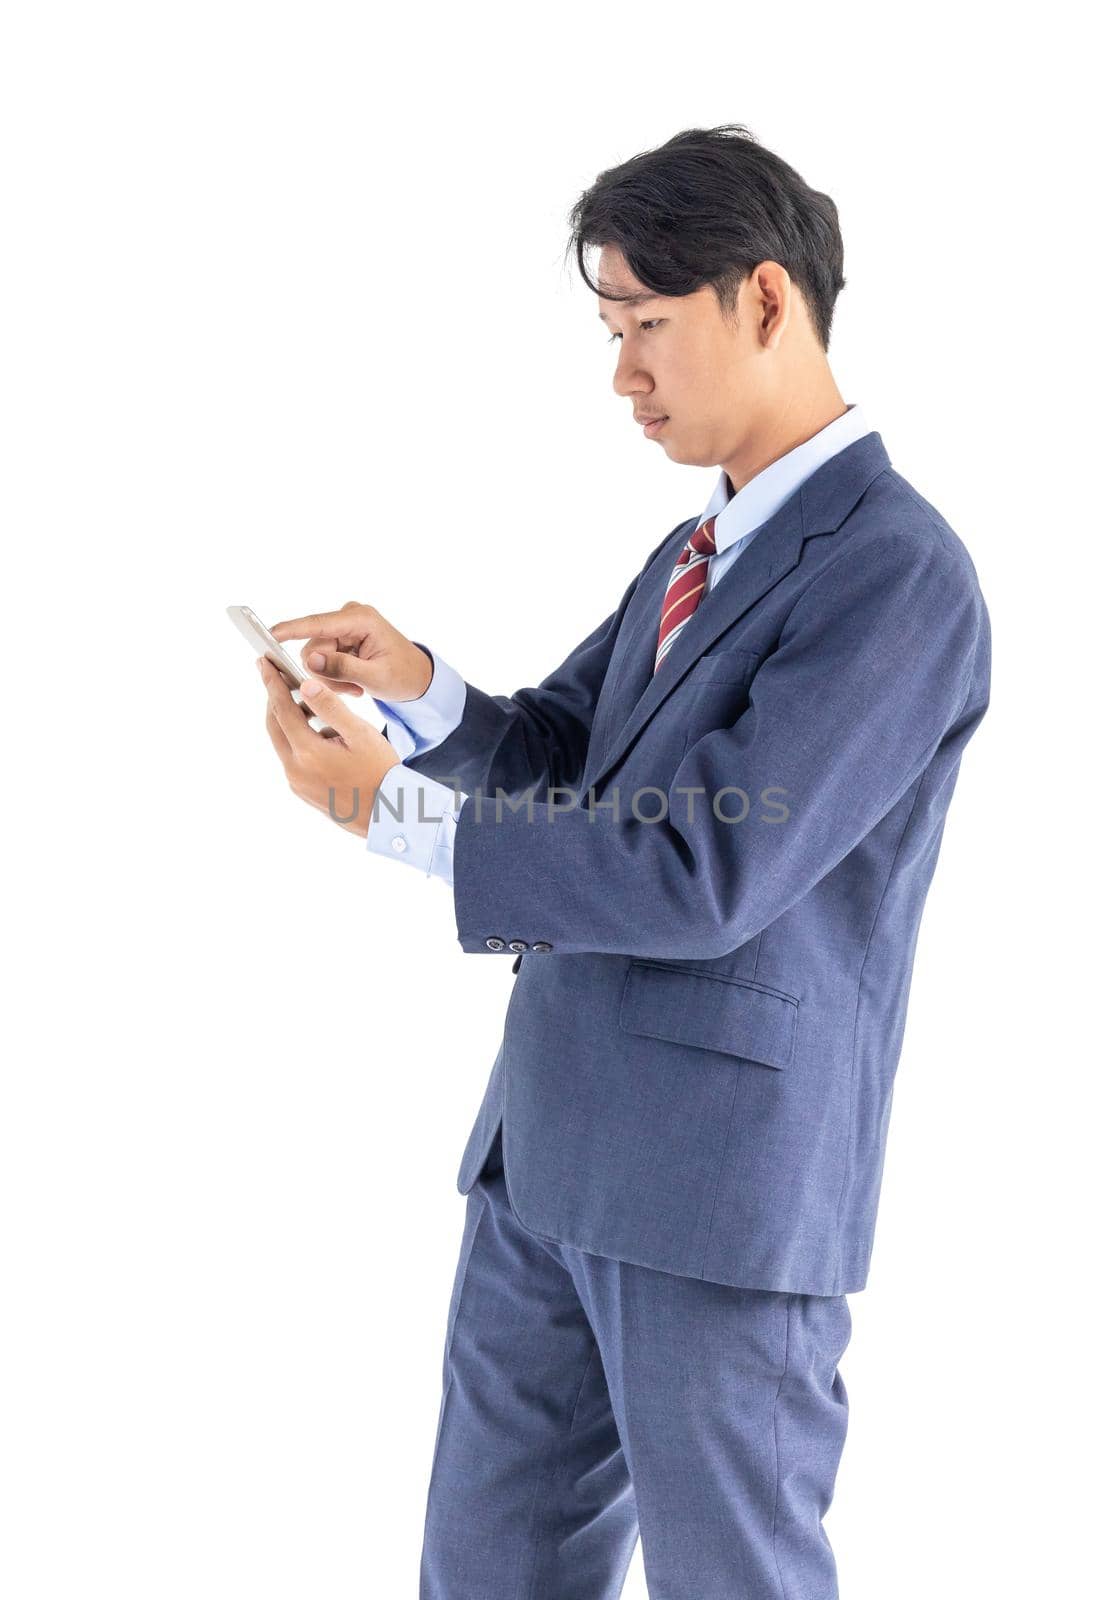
300 627
322 702
339 666
277 738
317 644
290 718
325 624
314 656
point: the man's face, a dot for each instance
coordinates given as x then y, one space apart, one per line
677 357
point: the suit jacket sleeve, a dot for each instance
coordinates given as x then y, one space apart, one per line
537 735
871 673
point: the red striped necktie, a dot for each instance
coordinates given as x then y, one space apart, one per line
687 585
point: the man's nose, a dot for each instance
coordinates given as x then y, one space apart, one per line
629 379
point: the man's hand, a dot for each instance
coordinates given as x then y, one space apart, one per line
355 648
338 773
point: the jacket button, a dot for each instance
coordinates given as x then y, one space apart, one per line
518 945
494 943
541 946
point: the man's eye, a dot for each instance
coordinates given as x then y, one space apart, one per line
652 322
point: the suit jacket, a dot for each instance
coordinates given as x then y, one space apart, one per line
699 1051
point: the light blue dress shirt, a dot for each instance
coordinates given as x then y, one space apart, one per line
414 816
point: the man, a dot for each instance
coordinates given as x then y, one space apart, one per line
738 784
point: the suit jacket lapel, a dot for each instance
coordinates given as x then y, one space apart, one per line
820 505
630 668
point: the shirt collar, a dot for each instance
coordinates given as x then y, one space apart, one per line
741 513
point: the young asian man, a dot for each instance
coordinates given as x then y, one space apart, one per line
739 781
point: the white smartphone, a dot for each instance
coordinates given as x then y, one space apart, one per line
262 641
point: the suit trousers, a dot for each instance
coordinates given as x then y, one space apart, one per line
589 1401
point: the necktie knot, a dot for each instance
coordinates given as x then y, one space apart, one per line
703 541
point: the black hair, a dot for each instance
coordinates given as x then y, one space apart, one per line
706 208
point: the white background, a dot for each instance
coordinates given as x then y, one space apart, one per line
286 322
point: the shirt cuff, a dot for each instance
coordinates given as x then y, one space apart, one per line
413 820
415 726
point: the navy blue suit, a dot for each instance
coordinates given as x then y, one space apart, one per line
693 1088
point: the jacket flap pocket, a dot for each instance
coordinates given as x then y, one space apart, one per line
725 666
711 1012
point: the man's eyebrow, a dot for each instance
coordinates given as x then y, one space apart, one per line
632 300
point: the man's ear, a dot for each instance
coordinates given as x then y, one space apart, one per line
775 294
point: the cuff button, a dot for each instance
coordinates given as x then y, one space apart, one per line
494 943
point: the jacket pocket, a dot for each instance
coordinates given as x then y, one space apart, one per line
724 666
714 692
710 1012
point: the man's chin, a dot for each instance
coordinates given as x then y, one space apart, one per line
684 455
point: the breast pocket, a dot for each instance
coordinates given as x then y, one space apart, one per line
715 691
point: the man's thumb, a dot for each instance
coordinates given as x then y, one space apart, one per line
326 704
339 666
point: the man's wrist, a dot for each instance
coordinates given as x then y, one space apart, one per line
416 726
424 651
